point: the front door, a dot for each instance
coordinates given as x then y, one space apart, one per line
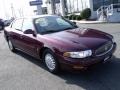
29 41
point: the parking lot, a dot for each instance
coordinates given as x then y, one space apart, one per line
19 71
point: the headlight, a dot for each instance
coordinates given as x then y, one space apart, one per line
81 54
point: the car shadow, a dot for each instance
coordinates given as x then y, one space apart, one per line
31 59
101 77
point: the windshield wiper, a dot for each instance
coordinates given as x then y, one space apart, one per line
69 28
51 31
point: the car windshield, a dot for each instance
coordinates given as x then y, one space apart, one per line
51 24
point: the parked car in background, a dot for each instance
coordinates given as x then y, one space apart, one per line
1 24
59 43
8 22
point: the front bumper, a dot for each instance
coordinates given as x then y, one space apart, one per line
70 63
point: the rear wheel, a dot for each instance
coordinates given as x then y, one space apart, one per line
0 27
51 61
11 47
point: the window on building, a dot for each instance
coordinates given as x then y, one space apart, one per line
98 3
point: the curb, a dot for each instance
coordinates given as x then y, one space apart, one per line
95 22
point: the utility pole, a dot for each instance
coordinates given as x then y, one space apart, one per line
82 4
70 5
21 12
77 6
13 11
73 7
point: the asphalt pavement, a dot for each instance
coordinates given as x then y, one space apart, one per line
19 71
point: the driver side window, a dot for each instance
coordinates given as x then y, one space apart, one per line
27 24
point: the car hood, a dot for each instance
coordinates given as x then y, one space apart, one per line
80 38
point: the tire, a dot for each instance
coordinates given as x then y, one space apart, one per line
0 27
11 47
50 61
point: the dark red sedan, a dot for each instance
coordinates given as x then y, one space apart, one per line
59 42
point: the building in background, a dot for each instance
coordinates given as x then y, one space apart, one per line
64 7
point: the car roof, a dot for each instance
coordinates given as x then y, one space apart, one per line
37 16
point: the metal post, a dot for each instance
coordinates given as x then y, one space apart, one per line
39 10
52 7
65 1
103 10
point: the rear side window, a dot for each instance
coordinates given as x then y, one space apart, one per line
17 24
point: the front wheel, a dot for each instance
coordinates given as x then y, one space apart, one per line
51 61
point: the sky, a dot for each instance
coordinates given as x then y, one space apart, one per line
19 6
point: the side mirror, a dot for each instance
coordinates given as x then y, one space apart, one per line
28 31
75 23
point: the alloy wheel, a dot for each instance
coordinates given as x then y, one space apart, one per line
50 62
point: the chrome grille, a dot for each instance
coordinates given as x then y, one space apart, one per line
103 49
